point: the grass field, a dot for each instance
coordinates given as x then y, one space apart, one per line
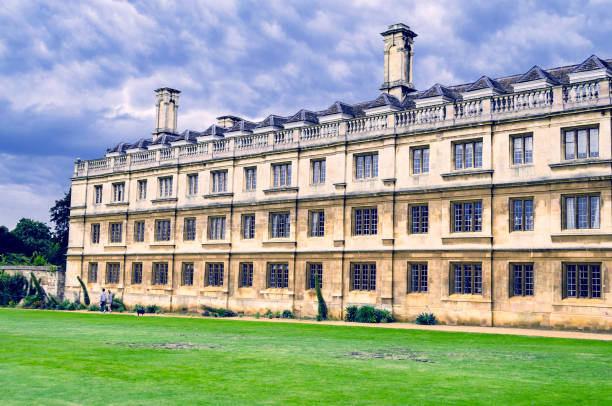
57 358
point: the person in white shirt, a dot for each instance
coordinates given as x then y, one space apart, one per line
103 301
109 300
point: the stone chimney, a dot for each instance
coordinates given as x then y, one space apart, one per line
227 121
399 44
166 106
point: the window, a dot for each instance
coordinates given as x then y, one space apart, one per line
281 174
246 275
160 273
467 217
581 143
192 184
522 279
466 279
162 230
189 231
468 155
248 226
580 211
216 228
365 221
420 160
93 272
521 213
95 233
366 166
317 223
417 278
279 225
112 273
139 230
214 275
314 269
522 149
118 192
165 187
142 189
363 276
318 171
250 177
582 280
419 217
278 276
116 231
187 276
98 194
137 273
219 181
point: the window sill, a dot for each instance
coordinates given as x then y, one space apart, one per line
281 189
277 291
162 244
77 207
218 195
280 242
112 246
219 289
159 289
164 200
572 236
459 239
218 244
583 302
117 204
471 172
476 298
580 162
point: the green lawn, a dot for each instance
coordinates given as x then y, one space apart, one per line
57 358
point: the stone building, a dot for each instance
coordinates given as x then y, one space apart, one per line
485 203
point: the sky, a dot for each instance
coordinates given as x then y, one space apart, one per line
79 76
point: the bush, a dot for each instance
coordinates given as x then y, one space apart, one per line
85 294
94 308
81 306
117 305
63 305
351 312
277 315
322 308
269 314
220 312
366 314
137 307
153 309
287 314
257 315
426 319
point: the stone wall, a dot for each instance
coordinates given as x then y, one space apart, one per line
52 280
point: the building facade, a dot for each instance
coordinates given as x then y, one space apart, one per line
488 203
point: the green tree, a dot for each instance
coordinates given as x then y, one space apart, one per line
59 215
9 243
34 235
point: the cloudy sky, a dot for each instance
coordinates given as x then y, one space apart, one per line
78 76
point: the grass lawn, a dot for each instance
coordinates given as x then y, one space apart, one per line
58 358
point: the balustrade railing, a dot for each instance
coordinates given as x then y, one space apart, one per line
522 101
248 142
468 109
426 115
120 162
581 92
193 150
220 146
98 165
142 158
366 124
319 132
283 137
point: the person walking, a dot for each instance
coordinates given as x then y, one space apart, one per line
109 300
103 301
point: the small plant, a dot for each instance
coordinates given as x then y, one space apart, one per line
137 307
94 308
277 314
63 305
153 309
269 314
85 294
287 314
257 315
366 314
351 312
117 305
426 319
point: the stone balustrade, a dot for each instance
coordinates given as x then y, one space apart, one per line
520 104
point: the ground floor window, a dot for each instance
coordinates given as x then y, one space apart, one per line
522 279
582 280
246 274
160 273
187 276
278 276
417 278
112 273
466 279
363 276
315 269
137 273
93 272
214 274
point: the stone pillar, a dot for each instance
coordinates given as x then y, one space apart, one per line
398 52
166 106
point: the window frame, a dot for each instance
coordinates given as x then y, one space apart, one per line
113 273
422 277
216 231
187 273
165 185
161 232
524 155
423 169
160 274
475 288
215 274
136 273
118 192
589 213
524 218
139 235
284 173
372 173
311 268
142 189
281 232
98 194
112 235
359 212
589 153
95 233
578 279
92 277
474 160
411 223
218 181
192 184
250 181
369 282
273 271
318 171
525 289
247 233
190 228
474 227
316 223
245 277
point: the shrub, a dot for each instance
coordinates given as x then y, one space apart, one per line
366 314
257 315
287 314
220 312
137 307
225 313
269 314
81 306
426 319
12 288
351 312
94 308
322 309
153 309
277 314
85 294
63 305
29 302
117 305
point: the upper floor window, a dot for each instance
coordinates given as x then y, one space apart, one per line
165 187
366 166
219 181
467 217
582 280
580 211
160 273
417 278
187 274
468 155
279 225
521 213
522 279
139 230
115 232
216 228
250 177
522 149
278 275
189 230
365 221
246 275
420 160
318 171
98 194
363 276
93 272
419 217
142 189
137 273
95 233
248 226
281 174
118 192
112 273
192 184
581 143
314 269
317 223
214 274
162 230
466 279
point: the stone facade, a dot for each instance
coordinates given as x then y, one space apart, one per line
51 280
477 123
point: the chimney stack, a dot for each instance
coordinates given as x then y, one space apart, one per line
166 106
399 44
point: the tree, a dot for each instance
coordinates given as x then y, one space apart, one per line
9 243
60 214
34 235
